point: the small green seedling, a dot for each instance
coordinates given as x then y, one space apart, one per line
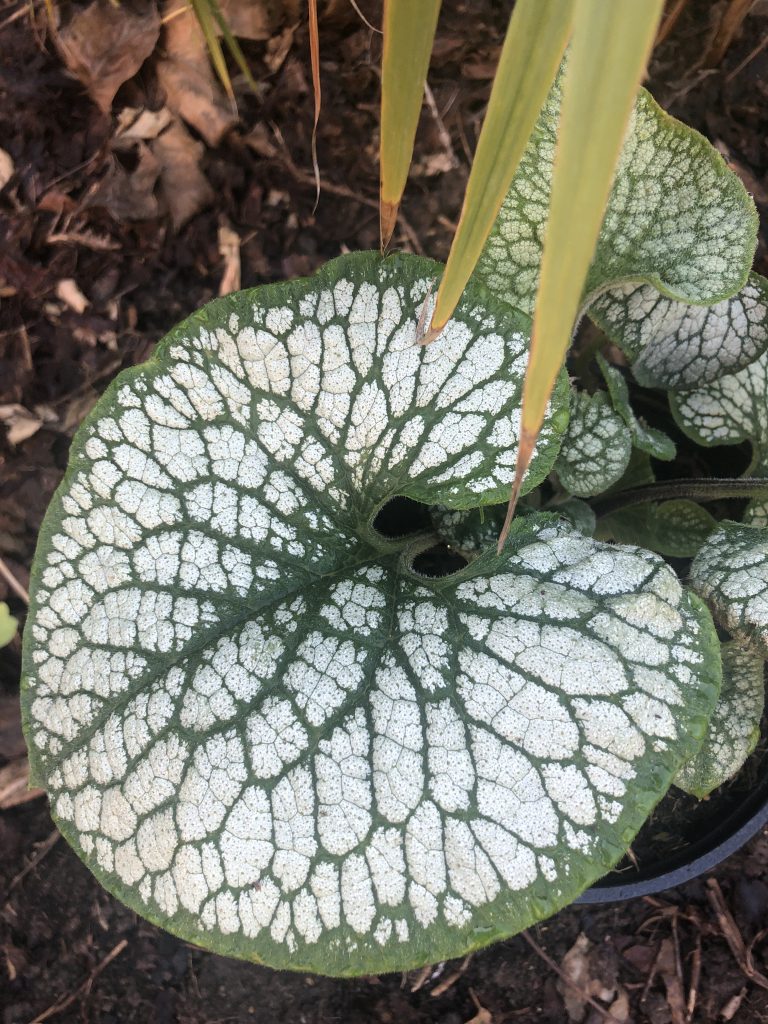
285 697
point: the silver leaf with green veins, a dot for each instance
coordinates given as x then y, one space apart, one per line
728 411
646 439
676 346
731 573
735 725
259 725
596 446
677 218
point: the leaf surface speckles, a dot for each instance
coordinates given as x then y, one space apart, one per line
734 728
596 446
676 346
731 573
677 218
259 725
728 411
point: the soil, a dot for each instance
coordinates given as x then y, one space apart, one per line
70 952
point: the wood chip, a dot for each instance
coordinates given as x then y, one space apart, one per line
69 293
6 168
19 422
229 250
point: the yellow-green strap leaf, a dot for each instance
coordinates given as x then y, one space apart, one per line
536 39
610 47
409 29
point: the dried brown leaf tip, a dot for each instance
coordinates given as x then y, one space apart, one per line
105 44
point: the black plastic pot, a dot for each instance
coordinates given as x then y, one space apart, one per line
703 853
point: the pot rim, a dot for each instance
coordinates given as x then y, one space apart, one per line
700 857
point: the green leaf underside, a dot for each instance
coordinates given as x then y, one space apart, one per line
263 730
677 218
673 528
728 411
730 573
676 346
734 728
596 446
8 625
645 438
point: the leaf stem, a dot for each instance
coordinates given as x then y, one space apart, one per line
694 489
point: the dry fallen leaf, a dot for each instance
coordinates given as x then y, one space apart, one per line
69 293
19 422
252 19
185 187
191 89
137 125
229 250
105 44
6 168
129 195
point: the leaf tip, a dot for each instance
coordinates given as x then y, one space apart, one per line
387 221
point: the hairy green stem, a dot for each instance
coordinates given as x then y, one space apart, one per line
694 489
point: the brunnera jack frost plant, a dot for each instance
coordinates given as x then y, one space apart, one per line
267 721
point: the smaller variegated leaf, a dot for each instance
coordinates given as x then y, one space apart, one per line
596 446
677 346
676 528
578 513
471 530
647 439
731 573
728 411
734 728
677 219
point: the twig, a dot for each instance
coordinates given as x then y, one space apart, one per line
732 935
452 978
731 22
363 18
62 1004
670 21
693 990
605 1014
442 131
43 850
341 190
748 59
13 583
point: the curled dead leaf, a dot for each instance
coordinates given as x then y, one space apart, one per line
129 195
184 186
105 44
186 76
19 422
137 125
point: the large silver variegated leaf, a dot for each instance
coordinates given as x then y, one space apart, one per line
728 411
677 217
676 346
261 723
734 728
731 573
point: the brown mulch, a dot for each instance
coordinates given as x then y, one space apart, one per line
86 290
